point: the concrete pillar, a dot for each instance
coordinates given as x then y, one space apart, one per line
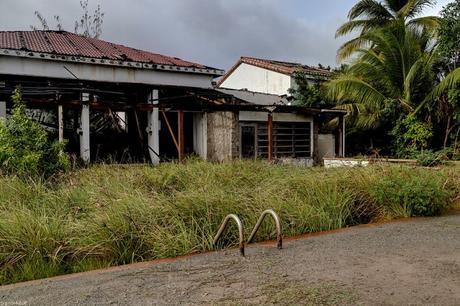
2 109
61 122
314 141
180 135
341 136
153 129
84 129
270 136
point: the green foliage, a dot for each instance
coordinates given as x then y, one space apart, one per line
108 214
420 193
429 158
449 34
411 135
370 15
395 74
24 146
402 63
307 92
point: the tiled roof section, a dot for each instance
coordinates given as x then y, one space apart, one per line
278 66
285 67
65 43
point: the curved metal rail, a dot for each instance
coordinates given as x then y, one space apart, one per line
223 226
279 237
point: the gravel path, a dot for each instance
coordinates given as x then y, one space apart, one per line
413 262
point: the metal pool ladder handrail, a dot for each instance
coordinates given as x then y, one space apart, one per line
279 237
223 226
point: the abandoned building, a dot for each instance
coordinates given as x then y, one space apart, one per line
268 76
276 78
110 101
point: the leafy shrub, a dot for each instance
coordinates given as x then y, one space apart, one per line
411 136
419 193
429 158
450 153
24 145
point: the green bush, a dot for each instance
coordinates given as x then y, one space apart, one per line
429 158
24 145
418 193
411 135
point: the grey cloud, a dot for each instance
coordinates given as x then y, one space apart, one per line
212 32
217 32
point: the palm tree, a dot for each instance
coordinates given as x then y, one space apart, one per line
395 74
369 15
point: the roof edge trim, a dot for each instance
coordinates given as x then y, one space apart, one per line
108 62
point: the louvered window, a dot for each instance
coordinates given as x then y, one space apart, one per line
290 139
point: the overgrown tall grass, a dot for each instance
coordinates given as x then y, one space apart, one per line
109 215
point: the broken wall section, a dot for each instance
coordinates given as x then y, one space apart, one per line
223 136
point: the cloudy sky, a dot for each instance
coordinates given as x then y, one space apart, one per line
211 32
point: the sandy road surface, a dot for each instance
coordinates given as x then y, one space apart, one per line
414 262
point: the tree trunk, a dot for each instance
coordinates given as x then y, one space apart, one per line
448 130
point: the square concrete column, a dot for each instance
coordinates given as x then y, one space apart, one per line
153 129
84 129
314 140
61 122
341 136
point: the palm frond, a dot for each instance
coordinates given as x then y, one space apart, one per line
414 7
361 116
430 24
411 78
451 81
347 49
350 88
369 8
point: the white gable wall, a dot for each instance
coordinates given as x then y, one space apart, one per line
258 79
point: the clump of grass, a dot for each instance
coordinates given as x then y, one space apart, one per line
109 215
419 193
309 294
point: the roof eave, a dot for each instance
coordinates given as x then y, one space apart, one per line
109 62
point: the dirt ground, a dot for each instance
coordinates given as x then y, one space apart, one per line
414 262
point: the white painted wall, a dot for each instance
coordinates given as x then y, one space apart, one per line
258 79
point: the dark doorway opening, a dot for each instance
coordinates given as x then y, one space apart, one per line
248 141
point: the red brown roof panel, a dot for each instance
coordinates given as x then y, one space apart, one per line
35 41
11 40
60 44
65 43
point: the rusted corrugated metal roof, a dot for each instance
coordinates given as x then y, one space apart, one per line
278 66
70 44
